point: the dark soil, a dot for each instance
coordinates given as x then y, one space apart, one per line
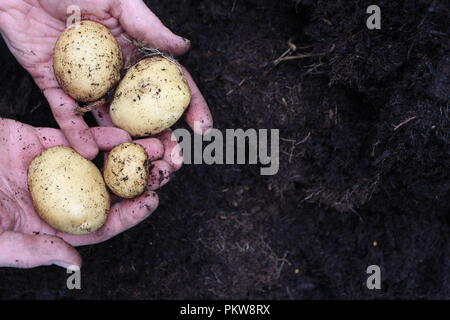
353 189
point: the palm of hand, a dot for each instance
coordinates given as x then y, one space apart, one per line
35 34
37 26
25 239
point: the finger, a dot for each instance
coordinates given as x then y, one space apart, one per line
198 116
143 25
107 137
122 216
173 153
153 147
73 126
50 137
28 251
101 115
159 174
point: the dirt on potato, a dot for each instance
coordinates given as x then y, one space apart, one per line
364 170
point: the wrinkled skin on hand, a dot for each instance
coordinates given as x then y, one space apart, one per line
32 27
26 240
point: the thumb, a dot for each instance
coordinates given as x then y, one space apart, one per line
28 251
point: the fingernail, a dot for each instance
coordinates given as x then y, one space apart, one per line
62 264
176 156
149 210
206 129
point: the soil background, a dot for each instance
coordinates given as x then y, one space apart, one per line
354 188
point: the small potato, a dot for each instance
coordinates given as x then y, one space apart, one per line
126 170
68 191
87 61
151 97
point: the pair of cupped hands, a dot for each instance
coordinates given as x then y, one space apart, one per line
31 29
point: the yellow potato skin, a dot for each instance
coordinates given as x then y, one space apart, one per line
87 61
151 97
68 191
126 170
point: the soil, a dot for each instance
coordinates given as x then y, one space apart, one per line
364 169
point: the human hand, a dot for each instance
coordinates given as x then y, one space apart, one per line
31 29
26 240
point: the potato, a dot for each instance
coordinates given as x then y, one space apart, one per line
87 61
151 97
126 170
68 191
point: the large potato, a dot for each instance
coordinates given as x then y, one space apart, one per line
151 97
87 61
126 170
68 191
